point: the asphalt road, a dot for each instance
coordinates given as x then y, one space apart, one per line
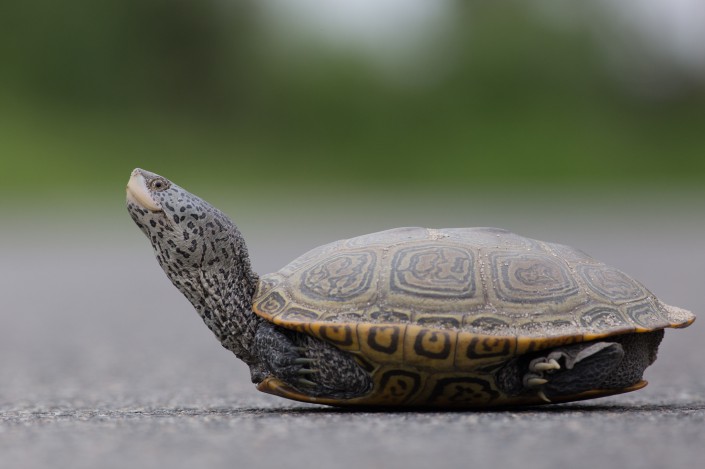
103 363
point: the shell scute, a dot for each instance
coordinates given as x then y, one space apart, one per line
433 271
531 278
383 343
339 277
476 350
610 284
430 348
398 386
461 391
343 336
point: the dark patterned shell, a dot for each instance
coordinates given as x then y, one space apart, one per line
454 299
480 280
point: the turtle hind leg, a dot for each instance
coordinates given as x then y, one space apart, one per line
309 365
616 363
597 365
573 369
561 371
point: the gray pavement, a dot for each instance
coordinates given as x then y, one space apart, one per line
103 364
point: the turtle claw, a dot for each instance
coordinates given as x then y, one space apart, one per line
306 383
543 397
304 361
538 365
304 369
535 382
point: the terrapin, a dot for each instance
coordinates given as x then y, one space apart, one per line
461 317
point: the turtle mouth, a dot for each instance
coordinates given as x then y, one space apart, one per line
138 193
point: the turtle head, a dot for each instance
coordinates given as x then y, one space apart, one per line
148 191
175 221
192 239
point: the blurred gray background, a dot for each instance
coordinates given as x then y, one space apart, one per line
308 121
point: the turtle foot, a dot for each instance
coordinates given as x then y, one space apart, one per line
309 365
304 372
283 359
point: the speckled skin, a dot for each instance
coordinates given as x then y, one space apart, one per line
204 255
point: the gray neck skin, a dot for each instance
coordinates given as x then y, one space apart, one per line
221 290
222 295
207 260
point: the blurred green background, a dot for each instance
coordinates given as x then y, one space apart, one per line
275 96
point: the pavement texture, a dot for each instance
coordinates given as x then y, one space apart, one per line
104 365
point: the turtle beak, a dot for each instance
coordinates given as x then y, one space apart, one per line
138 193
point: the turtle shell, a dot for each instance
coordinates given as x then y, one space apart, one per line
431 313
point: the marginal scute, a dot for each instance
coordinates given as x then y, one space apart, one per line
343 336
384 339
526 344
296 314
383 343
645 314
273 303
603 318
455 391
476 350
266 285
398 386
430 348
677 317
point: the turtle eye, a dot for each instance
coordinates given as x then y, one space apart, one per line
158 184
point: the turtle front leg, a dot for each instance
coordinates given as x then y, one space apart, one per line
572 369
314 367
281 357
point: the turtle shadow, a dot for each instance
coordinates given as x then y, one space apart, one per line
623 408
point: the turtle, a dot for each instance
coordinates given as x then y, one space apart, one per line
410 317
